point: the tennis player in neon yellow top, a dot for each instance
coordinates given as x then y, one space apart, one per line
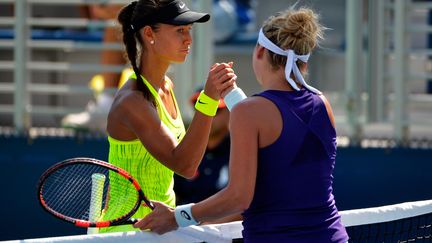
147 136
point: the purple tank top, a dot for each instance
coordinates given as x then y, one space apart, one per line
293 199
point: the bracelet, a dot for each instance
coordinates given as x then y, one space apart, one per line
183 215
206 104
233 97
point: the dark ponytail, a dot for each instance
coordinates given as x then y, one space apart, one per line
130 37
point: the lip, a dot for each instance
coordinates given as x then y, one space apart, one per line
186 49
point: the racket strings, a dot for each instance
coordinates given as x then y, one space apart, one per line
121 198
68 191
54 185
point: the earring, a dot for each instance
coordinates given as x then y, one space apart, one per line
152 42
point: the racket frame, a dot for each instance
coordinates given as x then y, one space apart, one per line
124 219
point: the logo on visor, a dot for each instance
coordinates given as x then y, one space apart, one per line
182 5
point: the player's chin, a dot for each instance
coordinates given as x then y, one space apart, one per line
183 55
179 60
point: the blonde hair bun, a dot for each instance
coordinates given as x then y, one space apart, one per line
296 29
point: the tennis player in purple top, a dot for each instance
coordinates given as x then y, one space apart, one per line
283 147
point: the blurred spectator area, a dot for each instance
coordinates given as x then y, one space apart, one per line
63 56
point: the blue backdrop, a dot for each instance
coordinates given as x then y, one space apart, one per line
363 178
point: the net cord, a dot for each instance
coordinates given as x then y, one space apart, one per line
385 213
229 231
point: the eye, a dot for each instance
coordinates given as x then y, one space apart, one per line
184 29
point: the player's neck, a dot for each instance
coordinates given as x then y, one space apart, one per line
154 73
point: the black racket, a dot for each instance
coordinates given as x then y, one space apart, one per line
90 193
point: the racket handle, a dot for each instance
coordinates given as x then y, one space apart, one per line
96 199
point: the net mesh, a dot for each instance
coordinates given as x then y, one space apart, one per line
413 229
405 222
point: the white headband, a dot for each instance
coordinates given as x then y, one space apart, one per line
291 65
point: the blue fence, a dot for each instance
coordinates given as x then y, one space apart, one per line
363 178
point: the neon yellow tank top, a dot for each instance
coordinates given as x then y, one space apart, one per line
155 179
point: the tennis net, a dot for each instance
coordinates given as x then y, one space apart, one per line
404 222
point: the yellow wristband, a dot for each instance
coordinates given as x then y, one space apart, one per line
206 105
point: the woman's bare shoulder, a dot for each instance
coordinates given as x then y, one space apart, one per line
253 109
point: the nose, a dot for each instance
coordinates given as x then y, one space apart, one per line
188 38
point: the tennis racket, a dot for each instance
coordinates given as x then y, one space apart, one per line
90 193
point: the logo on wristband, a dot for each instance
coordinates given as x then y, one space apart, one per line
199 101
185 215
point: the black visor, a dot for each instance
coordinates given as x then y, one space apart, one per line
177 13
174 13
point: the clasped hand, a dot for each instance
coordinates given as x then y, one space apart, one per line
220 80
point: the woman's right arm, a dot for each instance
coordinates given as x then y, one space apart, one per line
184 157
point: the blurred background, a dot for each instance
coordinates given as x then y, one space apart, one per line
374 66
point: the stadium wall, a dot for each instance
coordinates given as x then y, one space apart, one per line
364 177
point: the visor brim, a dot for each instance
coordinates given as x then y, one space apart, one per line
189 17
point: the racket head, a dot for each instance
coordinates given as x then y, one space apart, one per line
65 191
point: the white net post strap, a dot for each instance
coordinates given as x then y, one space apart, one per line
385 213
98 181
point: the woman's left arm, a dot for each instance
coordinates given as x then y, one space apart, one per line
238 194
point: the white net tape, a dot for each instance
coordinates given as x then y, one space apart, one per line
385 213
229 231
208 233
